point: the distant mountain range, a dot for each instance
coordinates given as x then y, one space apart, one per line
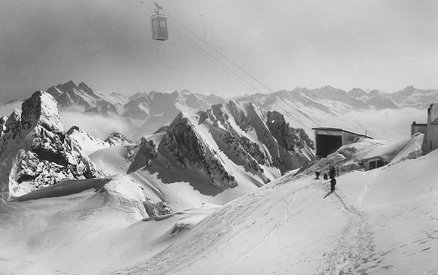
304 108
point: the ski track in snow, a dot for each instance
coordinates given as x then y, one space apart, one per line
355 252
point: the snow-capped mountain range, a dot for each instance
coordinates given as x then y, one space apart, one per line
213 149
146 112
210 190
224 146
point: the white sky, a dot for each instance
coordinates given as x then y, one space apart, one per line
382 44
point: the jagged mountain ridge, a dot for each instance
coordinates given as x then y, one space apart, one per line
216 142
224 146
36 152
146 112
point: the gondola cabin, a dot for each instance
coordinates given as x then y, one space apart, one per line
159 25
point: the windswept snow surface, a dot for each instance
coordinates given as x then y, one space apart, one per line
87 232
377 222
383 221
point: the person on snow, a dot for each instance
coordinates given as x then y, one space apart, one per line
317 175
332 185
332 174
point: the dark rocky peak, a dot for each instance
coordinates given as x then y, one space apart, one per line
13 119
68 86
60 89
219 112
186 147
86 89
11 129
239 115
69 94
216 114
72 130
53 91
41 109
148 148
287 136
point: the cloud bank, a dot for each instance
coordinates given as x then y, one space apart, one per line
389 124
97 125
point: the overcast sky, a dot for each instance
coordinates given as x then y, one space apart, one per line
383 44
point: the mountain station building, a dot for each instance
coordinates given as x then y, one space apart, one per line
429 129
328 140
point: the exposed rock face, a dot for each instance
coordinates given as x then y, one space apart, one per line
239 116
12 130
287 137
3 120
148 148
156 209
225 144
147 151
35 150
115 139
185 145
242 151
41 109
69 95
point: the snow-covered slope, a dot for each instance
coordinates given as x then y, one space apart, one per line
377 222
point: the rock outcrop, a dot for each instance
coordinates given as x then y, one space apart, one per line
36 152
115 139
288 137
3 120
185 146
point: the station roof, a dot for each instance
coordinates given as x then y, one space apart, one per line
340 130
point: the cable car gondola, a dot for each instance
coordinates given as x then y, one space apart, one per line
159 25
